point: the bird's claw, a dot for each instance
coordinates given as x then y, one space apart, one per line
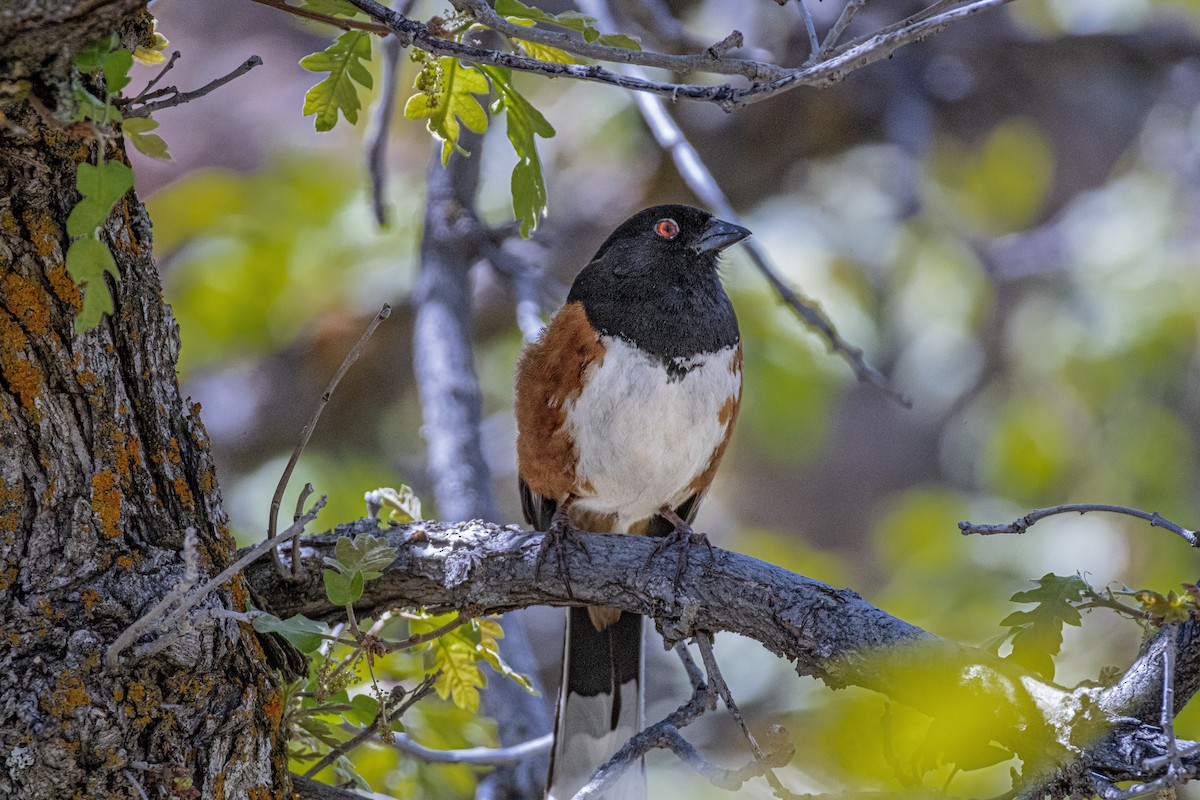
682 537
557 535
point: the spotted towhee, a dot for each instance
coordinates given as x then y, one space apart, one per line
624 407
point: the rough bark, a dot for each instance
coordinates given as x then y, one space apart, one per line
103 466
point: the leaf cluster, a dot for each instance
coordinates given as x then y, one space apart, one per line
104 184
448 92
443 653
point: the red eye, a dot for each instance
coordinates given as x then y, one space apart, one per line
667 228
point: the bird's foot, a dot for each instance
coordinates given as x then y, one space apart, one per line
557 535
681 538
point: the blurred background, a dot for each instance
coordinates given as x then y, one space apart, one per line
1005 217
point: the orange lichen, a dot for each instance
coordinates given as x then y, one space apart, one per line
68 695
239 594
8 578
183 492
48 611
26 301
43 233
8 223
89 597
106 503
64 288
218 787
273 707
24 377
125 561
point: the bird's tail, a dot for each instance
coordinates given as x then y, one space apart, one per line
599 702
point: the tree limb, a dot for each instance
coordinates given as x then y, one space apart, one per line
827 72
829 633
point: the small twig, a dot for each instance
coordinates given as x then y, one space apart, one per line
301 499
420 639
401 698
480 756
730 42
136 785
337 22
306 434
380 125
1024 523
191 573
843 21
140 626
154 81
705 643
522 276
814 44
179 98
695 676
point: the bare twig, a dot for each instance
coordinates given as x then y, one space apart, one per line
377 131
839 27
301 499
871 49
705 643
479 756
700 180
175 55
393 707
1024 523
764 761
521 275
179 98
142 625
306 433
420 639
814 44
337 22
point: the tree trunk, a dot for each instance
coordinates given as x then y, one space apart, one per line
103 467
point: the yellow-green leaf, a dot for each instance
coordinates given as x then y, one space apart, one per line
343 60
148 144
87 261
449 100
544 52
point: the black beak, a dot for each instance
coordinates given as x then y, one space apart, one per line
719 234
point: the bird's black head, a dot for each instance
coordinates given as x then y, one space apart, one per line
668 239
654 282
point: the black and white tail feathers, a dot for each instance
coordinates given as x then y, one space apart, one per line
599 705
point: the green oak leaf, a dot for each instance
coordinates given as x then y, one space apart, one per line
571 20
304 633
449 100
525 123
1038 632
342 588
148 144
343 60
101 188
87 261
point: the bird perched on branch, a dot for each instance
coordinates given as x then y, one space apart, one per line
624 407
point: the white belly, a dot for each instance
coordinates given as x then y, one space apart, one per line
641 440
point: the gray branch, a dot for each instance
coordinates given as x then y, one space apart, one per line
824 73
829 633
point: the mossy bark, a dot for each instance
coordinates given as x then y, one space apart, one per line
103 467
